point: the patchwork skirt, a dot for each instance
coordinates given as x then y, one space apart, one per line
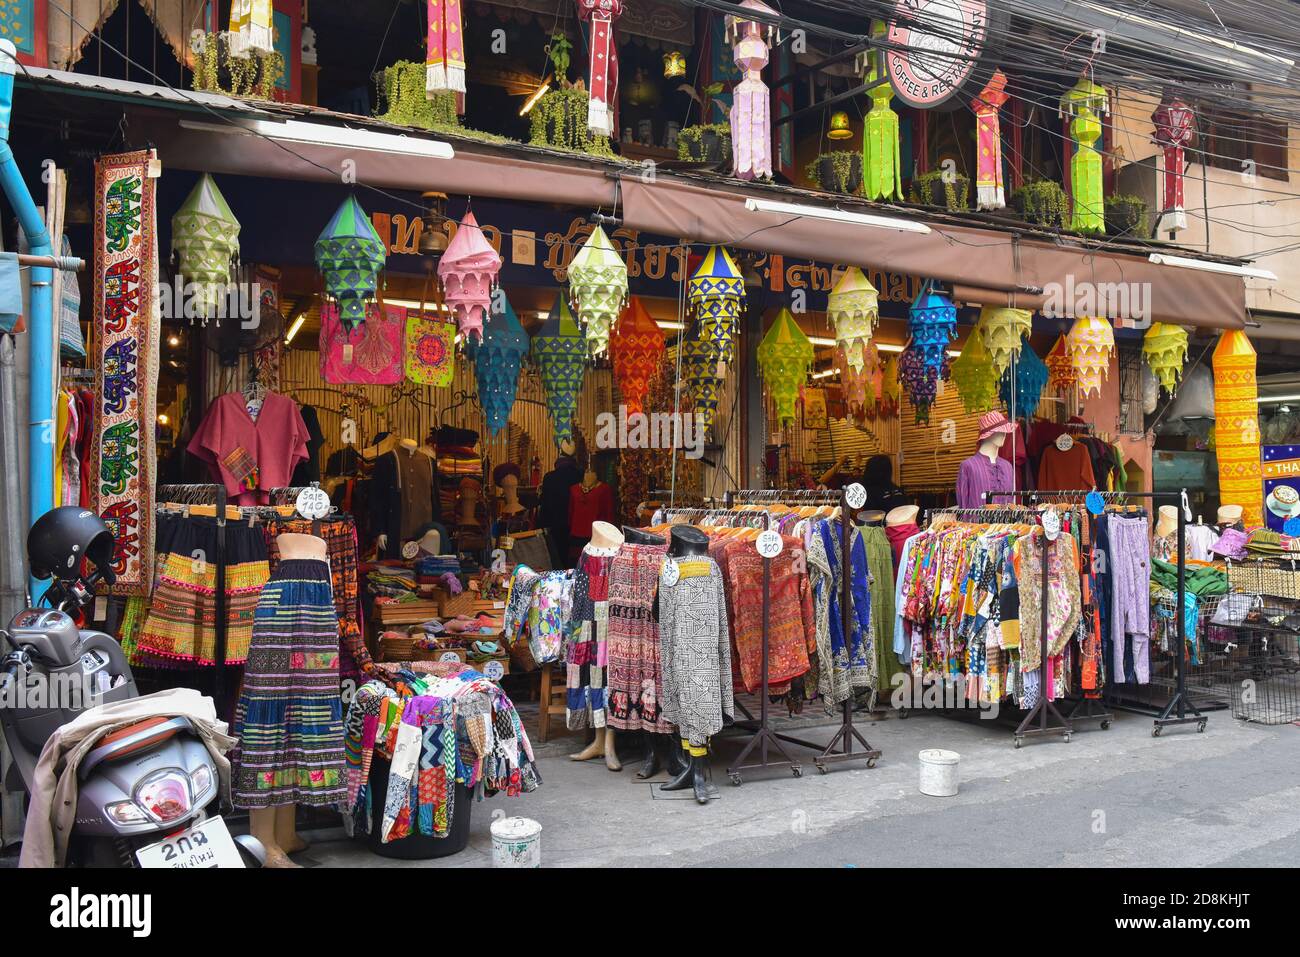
290 715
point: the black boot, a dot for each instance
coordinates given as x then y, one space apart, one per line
677 759
701 779
683 778
650 766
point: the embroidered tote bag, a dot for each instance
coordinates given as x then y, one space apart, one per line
371 354
430 345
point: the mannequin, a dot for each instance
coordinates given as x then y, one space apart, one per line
986 470
1167 523
900 525
404 481
553 514
590 501
637 536
587 651
686 543
275 826
431 542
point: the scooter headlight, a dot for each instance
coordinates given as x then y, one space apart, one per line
165 795
201 781
126 812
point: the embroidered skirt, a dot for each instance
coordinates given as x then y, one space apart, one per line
635 677
290 715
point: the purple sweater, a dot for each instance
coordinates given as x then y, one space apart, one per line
978 475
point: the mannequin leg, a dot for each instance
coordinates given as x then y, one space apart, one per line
650 760
611 751
261 824
286 829
678 758
593 750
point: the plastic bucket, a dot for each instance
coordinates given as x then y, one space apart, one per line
939 772
516 843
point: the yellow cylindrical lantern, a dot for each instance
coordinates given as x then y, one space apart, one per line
1236 426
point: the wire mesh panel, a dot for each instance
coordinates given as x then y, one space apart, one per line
1264 654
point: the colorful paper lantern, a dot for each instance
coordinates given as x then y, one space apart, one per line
1175 124
205 240
1165 349
497 361
891 390
751 110
717 293
974 375
602 86
920 380
703 384
468 270
785 357
636 350
853 308
1084 104
1236 426
1030 380
445 48
988 141
674 64
882 170
598 285
1090 343
1060 368
350 255
1003 331
932 325
862 388
560 352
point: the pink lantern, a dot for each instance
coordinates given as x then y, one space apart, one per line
988 131
602 86
468 269
751 112
1175 127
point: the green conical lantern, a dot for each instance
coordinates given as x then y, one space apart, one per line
560 352
975 376
205 240
1083 105
882 170
717 293
350 255
598 285
785 357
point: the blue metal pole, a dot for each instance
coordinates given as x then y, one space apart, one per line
41 322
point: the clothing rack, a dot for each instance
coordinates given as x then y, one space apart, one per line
1179 709
764 736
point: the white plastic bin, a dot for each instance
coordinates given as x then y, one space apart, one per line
939 772
517 843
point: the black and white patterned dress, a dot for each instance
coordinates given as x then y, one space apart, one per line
695 650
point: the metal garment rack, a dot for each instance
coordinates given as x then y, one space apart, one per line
1179 709
764 736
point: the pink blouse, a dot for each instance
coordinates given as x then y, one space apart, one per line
251 457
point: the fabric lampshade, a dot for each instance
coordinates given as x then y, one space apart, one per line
636 351
853 308
882 169
560 352
975 376
1090 343
1083 105
350 256
497 361
1003 331
468 270
205 240
717 293
598 285
751 110
1030 381
1165 349
704 385
1060 368
1236 426
785 357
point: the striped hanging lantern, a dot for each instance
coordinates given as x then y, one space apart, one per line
1060 368
785 357
468 270
598 285
975 377
1083 105
1090 343
1236 426
1030 381
1003 330
989 193
751 111
350 256
853 308
561 354
1165 348
602 83
717 293
703 384
636 350
497 361
1175 124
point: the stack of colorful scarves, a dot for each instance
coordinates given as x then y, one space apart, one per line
392 581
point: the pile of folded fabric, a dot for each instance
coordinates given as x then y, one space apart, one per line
1266 543
393 582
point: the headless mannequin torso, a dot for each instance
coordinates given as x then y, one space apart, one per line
605 537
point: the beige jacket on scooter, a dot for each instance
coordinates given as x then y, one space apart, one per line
54 790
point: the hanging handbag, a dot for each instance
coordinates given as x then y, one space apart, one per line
371 354
430 346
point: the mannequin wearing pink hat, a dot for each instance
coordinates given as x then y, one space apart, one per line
986 471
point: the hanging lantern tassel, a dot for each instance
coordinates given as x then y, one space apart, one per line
785 357
988 130
704 385
468 270
445 60
1175 125
1003 331
1084 104
636 350
1236 426
561 354
598 285
602 87
717 293
205 239
1165 349
882 169
350 256
1031 379
975 377
250 28
751 110
1090 342
497 361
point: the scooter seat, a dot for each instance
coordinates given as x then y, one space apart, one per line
140 736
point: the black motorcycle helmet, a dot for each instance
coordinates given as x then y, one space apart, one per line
62 537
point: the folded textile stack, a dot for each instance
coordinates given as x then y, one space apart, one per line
1266 543
459 461
433 567
1231 544
392 581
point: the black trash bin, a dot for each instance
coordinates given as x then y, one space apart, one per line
417 847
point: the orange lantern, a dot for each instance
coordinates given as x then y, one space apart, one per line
636 349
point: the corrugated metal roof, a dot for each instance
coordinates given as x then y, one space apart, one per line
146 91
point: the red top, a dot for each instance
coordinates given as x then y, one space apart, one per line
251 458
1065 471
596 505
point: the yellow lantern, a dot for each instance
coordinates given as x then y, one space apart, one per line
1003 331
1165 349
840 129
1090 342
1236 426
674 64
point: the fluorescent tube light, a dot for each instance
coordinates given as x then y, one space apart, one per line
1269 400
533 97
835 215
825 375
429 305
293 330
820 341
1246 272
671 326
322 134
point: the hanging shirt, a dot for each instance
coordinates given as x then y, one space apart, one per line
978 475
1065 471
251 457
589 505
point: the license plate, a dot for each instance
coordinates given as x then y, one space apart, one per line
207 844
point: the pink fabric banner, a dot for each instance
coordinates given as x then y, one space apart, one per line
445 65
602 83
989 193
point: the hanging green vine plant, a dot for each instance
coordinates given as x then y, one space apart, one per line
559 120
217 71
705 143
839 171
1042 203
402 99
942 188
1126 215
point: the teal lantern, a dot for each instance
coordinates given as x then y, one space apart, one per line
717 293
497 360
932 326
560 351
350 256
1031 379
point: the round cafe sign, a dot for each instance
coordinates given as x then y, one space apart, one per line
935 48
